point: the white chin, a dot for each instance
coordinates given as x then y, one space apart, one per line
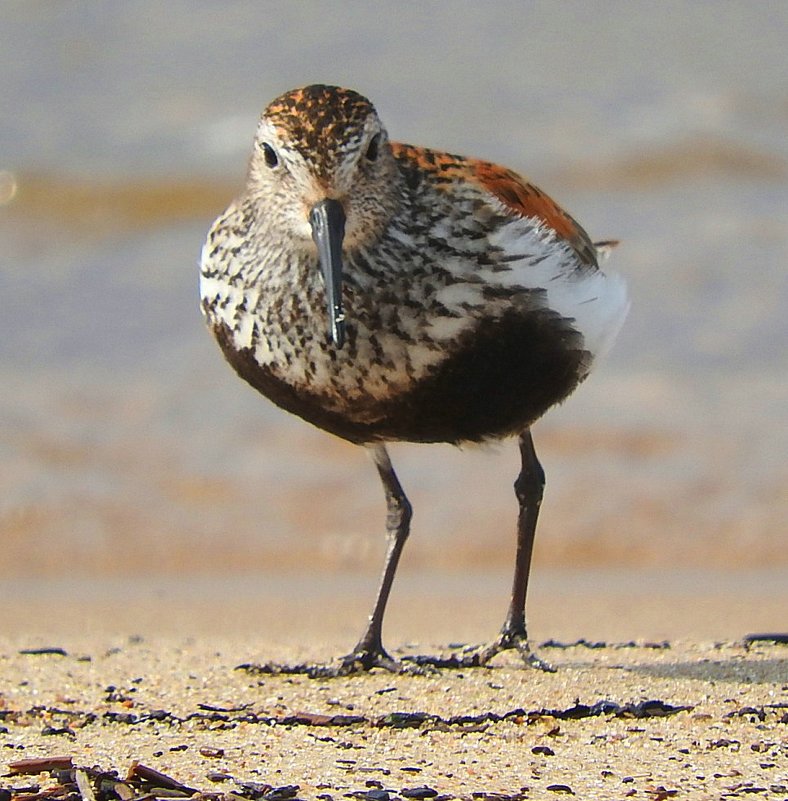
303 230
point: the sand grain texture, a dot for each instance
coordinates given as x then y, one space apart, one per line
184 709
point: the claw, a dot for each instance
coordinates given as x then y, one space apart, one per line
535 661
517 641
358 661
362 660
480 656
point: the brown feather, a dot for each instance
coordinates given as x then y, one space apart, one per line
511 189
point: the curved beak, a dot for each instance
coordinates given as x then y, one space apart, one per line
327 219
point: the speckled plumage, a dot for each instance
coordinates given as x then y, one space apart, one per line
471 302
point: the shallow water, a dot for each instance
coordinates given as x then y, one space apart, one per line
128 445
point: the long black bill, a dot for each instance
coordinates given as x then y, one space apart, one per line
327 219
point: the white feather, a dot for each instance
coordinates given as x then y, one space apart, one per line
597 302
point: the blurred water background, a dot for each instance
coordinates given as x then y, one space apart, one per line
127 446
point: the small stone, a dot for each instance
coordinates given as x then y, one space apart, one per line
49 731
418 792
543 750
282 793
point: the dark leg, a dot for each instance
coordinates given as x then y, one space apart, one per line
528 487
369 651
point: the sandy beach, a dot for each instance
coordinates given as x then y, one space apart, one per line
155 680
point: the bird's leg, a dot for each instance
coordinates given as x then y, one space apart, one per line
528 487
369 651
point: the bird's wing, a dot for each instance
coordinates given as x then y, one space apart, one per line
527 200
518 195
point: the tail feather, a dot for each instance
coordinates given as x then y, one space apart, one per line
604 249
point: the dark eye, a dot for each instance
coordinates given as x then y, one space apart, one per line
271 159
373 148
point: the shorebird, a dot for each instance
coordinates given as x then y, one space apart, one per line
385 292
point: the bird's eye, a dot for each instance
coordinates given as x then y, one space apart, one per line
373 148
271 159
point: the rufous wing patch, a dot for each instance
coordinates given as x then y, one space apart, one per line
508 187
528 200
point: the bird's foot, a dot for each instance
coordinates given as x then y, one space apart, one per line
512 641
361 659
357 662
481 655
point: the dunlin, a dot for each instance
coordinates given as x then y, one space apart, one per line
385 292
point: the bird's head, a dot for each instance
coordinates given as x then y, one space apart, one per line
324 174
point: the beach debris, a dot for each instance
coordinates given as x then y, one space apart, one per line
58 721
218 776
581 643
91 784
772 639
41 764
43 651
211 753
422 791
750 712
543 750
282 793
315 719
49 731
661 793
141 782
597 644
376 794
83 784
156 780
489 795
214 708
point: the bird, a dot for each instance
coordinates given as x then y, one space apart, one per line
386 292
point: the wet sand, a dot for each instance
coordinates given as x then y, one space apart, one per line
296 609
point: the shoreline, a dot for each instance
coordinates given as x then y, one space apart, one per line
616 604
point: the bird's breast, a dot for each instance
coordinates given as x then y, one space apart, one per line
435 333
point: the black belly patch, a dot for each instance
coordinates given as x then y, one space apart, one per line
495 381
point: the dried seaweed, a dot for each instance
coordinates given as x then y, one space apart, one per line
141 783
